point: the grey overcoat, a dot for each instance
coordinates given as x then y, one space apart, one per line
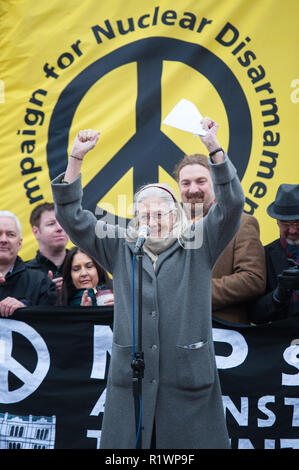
180 389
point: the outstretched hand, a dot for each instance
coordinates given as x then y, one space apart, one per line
84 142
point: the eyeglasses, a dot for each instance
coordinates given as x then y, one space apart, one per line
288 224
155 215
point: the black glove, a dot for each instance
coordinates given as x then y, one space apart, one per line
287 281
289 278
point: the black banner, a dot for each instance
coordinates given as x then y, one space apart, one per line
53 371
259 374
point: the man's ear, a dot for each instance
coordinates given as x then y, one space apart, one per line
20 243
35 230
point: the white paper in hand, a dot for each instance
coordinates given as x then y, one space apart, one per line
186 117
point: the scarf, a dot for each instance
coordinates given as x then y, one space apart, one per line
154 246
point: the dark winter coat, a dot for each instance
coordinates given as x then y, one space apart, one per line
31 287
265 309
45 265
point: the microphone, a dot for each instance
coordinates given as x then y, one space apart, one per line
143 233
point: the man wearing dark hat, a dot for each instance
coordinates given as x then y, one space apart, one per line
282 258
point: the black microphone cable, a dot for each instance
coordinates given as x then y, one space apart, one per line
133 352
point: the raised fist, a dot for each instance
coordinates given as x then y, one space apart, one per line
84 142
210 139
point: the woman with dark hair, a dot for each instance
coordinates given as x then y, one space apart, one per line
85 282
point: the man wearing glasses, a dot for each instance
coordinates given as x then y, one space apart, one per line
282 258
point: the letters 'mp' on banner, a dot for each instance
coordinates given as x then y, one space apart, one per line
77 65
54 365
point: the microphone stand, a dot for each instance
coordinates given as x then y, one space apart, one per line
138 360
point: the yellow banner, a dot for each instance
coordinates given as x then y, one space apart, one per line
120 67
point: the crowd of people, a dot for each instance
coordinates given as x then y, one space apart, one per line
56 275
250 283
227 273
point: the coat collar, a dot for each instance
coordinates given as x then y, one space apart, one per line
41 259
278 256
18 267
163 256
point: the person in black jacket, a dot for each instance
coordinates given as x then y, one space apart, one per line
19 286
52 241
282 259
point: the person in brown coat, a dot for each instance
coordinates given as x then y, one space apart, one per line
239 274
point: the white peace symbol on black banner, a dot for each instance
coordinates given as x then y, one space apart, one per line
30 380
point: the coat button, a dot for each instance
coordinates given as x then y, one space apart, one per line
154 347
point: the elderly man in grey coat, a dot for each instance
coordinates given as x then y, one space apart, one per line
181 396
